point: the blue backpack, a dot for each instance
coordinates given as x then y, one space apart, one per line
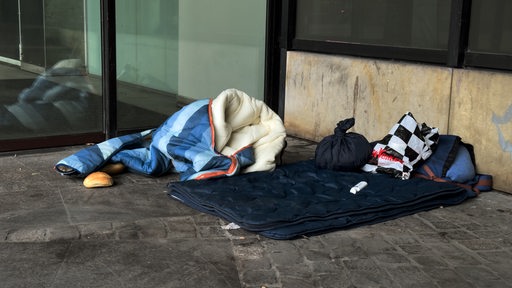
454 161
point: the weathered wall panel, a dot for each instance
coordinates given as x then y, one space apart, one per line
322 90
482 115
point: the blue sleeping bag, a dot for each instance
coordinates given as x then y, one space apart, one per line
185 142
301 200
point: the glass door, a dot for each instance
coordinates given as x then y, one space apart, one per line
48 88
168 54
172 52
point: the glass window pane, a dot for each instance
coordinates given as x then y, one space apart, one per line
171 52
401 23
146 61
47 89
9 29
491 26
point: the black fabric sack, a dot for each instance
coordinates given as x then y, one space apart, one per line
343 151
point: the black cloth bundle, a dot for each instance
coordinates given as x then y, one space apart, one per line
343 151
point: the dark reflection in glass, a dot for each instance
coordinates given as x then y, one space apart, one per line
48 84
62 100
491 27
404 23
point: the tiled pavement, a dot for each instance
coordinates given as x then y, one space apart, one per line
56 233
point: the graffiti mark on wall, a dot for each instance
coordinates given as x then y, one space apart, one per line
502 120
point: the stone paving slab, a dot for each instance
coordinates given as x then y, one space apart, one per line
123 263
56 233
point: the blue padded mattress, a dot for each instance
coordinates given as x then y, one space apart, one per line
301 200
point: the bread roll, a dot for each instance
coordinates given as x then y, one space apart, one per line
98 179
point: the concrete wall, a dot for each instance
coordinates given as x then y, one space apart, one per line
323 89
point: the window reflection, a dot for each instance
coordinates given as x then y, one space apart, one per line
61 100
46 88
405 23
491 26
